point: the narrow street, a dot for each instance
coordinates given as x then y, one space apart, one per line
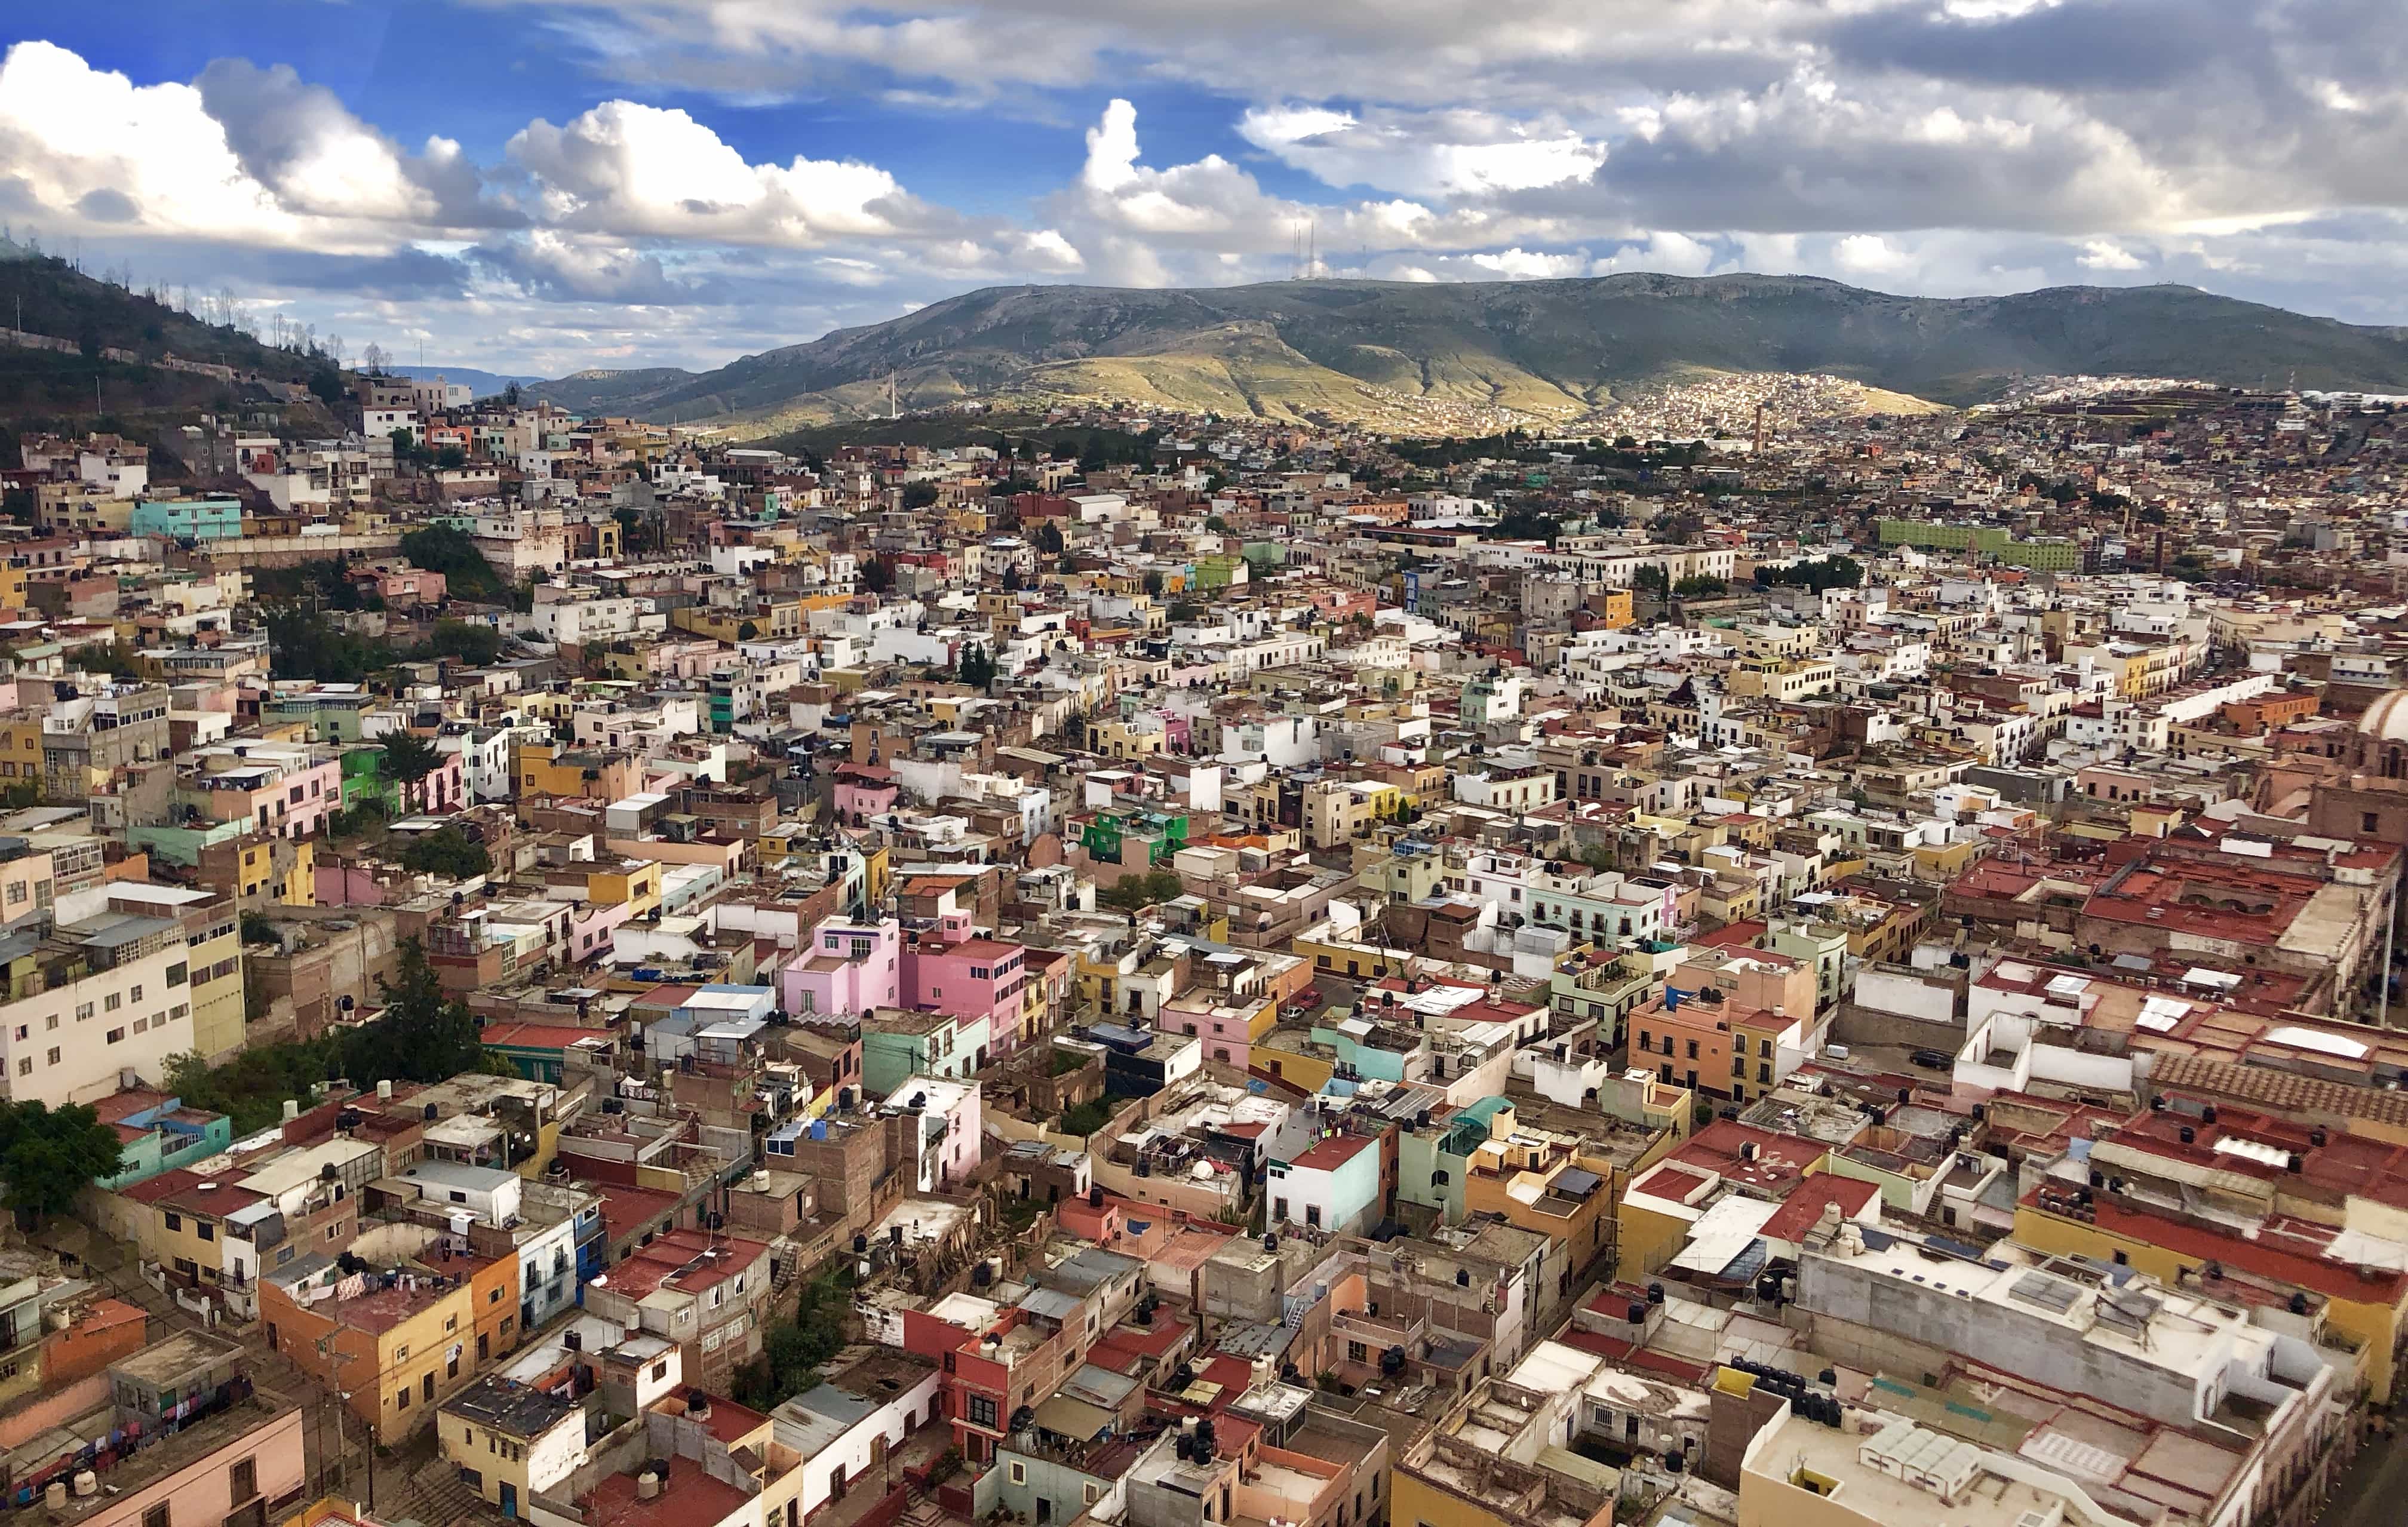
2371 1491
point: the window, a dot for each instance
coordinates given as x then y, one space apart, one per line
401 1399
983 1411
175 1222
115 1037
1739 1065
1018 1474
177 974
204 1229
113 1001
54 1055
1764 1048
158 1515
84 1010
136 994
1764 1075
1693 1050
426 1386
242 1480
1312 1215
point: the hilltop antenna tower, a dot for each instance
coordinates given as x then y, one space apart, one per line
894 410
1312 249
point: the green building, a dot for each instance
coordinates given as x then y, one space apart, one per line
2044 556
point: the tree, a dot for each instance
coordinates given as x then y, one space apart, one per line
977 668
746 630
49 1155
1651 579
1049 538
510 395
1153 583
918 495
451 458
452 852
1214 523
1140 891
473 644
407 758
877 575
422 1034
1701 586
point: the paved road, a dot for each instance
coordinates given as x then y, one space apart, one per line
2371 1491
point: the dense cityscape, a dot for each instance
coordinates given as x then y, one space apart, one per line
1761 962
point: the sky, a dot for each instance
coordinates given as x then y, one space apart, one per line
543 186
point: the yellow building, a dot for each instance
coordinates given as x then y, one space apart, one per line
1344 957
779 618
256 872
1617 609
20 752
634 881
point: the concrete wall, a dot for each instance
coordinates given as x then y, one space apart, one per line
1905 994
1853 1024
1850 1291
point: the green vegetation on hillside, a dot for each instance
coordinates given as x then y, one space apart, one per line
450 551
1421 357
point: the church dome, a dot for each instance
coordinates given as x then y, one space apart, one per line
2387 720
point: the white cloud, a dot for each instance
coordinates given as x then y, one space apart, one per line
632 169
93 150
1436 155
1869 255
2106 254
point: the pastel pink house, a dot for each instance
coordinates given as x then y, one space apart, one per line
864 790
286 789
967 977
847 968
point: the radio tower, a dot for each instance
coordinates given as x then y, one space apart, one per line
1312 249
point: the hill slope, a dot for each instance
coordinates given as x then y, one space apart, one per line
1398 352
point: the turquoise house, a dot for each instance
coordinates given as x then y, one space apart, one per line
158 1134
187 519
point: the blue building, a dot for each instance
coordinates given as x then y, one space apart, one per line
209 519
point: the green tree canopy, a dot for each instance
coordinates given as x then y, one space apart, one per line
423 1035
407 758
1140 891
49 1155
452 851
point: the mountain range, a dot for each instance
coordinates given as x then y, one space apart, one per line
1438 358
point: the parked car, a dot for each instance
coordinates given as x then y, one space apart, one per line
1933 1060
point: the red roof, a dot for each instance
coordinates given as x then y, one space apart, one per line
1805 1204
1334 1152
541 1035
2298 1269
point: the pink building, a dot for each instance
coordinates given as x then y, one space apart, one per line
952 972
287 789
444 790
864 790
402 586
847 968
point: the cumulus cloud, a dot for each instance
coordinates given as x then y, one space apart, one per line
630 169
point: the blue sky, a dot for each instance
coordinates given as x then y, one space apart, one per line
540 186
